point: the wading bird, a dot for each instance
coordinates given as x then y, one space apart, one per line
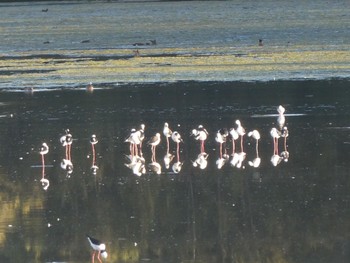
97 246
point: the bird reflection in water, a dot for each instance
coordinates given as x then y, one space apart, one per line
44 149
201 161
236 156
136 164
66 163
93 142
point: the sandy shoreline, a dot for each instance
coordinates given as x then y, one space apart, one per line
71 68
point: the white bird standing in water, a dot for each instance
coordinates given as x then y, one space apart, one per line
66 141
275 134
241 132
44 149
167 133
220 138
154 141
97 246
200 134
255 134
234 137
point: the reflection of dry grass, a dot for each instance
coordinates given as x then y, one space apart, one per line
12 205
169 64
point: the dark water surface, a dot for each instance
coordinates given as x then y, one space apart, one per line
297 211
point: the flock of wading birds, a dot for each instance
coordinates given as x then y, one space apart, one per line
136 161
137 164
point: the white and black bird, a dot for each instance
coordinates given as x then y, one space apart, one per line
221 137
176 137
200 134
93 139
275 134
234 137
241 132
154 142
255 134
97 246
44 149
66 141
167 133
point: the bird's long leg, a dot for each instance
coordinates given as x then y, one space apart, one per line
131 150
285 143
67 152
140 148
257 147
136 152
98 256
178 152
43 165
93 155
242 143
93 257
220 150
233 146
167 145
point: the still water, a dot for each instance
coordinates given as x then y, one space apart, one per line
296 211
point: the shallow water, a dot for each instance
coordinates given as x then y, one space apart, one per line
294 211
291 212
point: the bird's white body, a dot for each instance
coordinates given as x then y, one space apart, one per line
221 136
275 134
240 130
166 130
176 137
177 166
167 159
234 134
93 139
255 162
155 140
155 167
98 246
200 134
255 134
201 161
134 137
44 149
